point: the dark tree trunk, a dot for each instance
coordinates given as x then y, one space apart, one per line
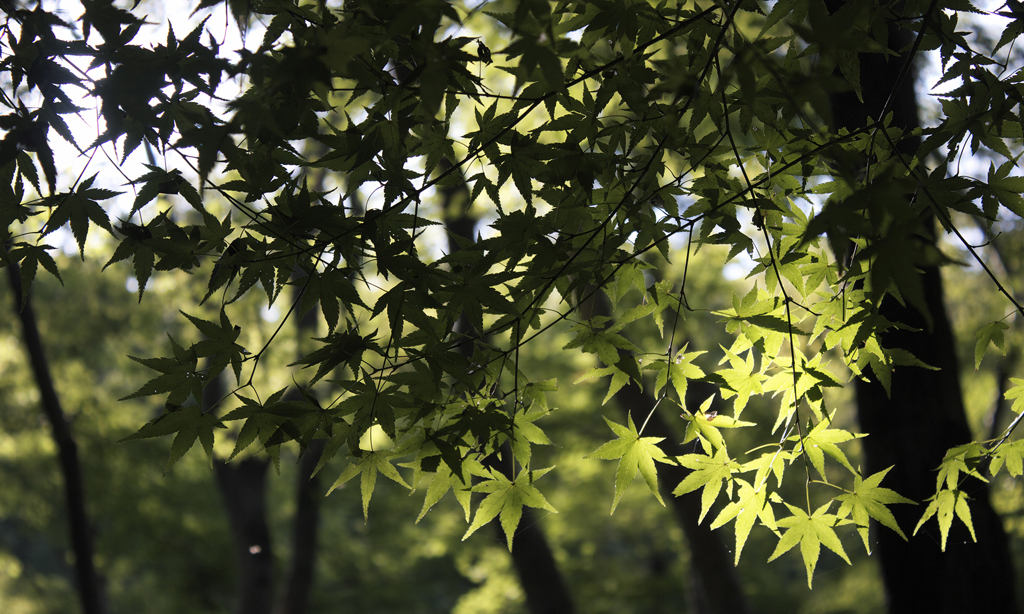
542 582
298 583
924 416
539 576
546 591
713 584
305 526
306 523
714 587
86 578
243 486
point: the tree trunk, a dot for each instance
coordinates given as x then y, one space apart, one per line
243 485
86 578
924 416
539 576
306 523
714 586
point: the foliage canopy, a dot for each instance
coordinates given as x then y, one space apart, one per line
315 157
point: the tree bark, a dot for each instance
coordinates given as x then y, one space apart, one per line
243 486
306 523
714 587
86 578
911 429
305 527
539 576
713 583
542 582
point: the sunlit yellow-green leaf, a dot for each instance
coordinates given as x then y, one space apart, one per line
810 531
635 454
944 506
869 500
708 472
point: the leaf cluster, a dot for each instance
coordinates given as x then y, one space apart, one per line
627 129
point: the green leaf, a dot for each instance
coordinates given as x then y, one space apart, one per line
742 379
507 498
1011 454
869 500
635 454
750 504
367 468
822 440
774 462
810 531
682 369
1016 394
709 472
443 481
705 424
187 424
961 459
990 333
524 433
945 504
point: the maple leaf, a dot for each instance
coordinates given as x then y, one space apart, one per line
990 333
367 467
750 504
775 462
945 504
822 440
524 433
679 370
961 459
506 498
180 378
810 532
188 424
742 379
869 500
1009 454
1016 394
635 454
709 472
443 481
705 424
79 208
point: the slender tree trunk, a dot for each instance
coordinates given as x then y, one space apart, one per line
306 523
912 428
243 486
542 582
305 527
714 586
86 578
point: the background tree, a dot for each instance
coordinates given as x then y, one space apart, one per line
80 529
920 415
